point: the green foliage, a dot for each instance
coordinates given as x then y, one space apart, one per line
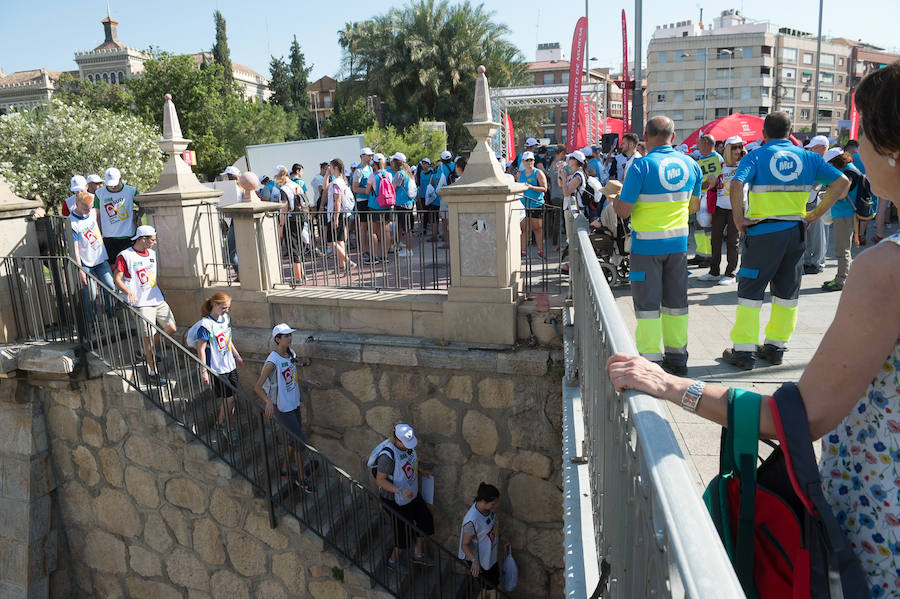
349 117
416 142
220 124
289 83
93 95
421 61
41 148
220 52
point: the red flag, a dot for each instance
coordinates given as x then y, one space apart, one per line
854 117
575 136
625 115
510 138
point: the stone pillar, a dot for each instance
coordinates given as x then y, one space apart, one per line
17 238
186 226
256 244
484 249
28 542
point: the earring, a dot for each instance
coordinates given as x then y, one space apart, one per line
892 161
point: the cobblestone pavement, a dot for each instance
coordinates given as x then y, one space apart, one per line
712 310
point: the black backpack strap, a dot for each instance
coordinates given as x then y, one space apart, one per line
845 576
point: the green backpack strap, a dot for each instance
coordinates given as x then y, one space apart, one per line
744 422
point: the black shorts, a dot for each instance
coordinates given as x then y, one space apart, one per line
293 235
115 245
491 575
404 217
417 512
362 205
220 389
291 421
378 215
537 213
336 230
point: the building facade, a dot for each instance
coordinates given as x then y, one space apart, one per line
698 74
26 88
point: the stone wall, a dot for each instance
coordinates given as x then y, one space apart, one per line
492 416
146 514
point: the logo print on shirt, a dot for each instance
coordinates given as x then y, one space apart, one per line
222 340
408 469
91 237
142 276
288 377
672 173
785 166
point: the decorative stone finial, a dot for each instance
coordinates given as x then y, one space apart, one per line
176 176
171 126
168 97
481 113
481 69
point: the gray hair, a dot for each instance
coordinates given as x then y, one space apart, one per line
660 126
708 139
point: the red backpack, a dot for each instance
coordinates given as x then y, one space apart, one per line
387 195
776 525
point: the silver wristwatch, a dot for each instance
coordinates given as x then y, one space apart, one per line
691 397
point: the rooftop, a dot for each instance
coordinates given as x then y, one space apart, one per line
28 77
235 66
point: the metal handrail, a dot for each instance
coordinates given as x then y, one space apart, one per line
653 533
60 310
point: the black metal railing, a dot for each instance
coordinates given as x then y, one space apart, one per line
541 257
49 304
220 259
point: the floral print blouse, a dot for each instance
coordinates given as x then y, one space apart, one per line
860 469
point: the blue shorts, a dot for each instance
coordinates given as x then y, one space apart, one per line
291 421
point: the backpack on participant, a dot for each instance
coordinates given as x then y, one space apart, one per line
190 337
774 521
412 190
864 204
385 447
387 195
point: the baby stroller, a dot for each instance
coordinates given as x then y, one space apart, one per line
610 235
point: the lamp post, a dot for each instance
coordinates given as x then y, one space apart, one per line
705 73
815 121
730 54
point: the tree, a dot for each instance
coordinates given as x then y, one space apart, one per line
42 147
421 61
93 95
349 117
416 142
220 52
289 82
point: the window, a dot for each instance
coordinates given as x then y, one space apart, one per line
840 78
661 77
826 60
549 116
725 53
662 57
698 75
723 73
825 115
678 96
766 51
564 118
548 79
565 78
106 77
763 111
550 134
840 98
745 93
677 115
91 78
701 54
840 62
826 96
789 55
788 74
788 110
661 98
698 116
677 76
805 77
679 56
747 52
805 97
765 71
804 114
764 92
807 58
722 93
121 77
720 112
826 78
698 95
788 93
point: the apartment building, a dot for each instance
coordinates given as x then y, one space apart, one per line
697 74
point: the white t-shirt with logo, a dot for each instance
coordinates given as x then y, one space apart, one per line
285 371
88 238
486 538
219 356
116 210
140 276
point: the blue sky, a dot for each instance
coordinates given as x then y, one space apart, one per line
47 33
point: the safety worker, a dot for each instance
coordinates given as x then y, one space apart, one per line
710 163
660 192
780 176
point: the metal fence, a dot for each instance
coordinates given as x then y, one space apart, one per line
49 304
651 528
220 258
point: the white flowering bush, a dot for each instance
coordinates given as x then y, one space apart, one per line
42 147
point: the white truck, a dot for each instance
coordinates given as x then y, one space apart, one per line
262 159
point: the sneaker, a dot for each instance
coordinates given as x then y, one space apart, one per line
367 259
709 277
726 280
234 436
812 269
541 253
404 253
305 485
742 359
401 245
832 286
352 265
398 566
156 380
673 368
524 253
770 353
329 250
422 560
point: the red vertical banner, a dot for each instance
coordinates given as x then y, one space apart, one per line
510 137
854 117
575 137
625 116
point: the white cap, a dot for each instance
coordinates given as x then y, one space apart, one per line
527 156
77 183
751 146
405 434
231 170
278 169
531 142
112 176
94 179
144 231
734 139
426 160
378 157
281 329
399 156
818 140
577 155
366 152
682 148
587 151
446 155
695 154
832 153
354 165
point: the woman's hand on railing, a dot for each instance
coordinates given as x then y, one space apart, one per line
204 376
270 409
639 374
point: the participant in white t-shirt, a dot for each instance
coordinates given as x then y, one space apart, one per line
90 253
117 211
479 538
